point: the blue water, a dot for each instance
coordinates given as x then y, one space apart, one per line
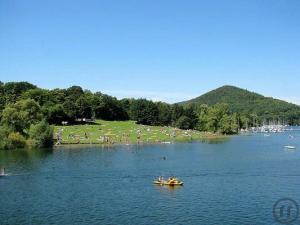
233 182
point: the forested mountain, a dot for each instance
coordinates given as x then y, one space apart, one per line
245 102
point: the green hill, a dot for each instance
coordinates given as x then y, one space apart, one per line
246 103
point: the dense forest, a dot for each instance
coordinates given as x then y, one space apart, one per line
246 103
27 112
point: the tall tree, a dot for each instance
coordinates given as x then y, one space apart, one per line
164 114
145 112
84 107
13 90
19 116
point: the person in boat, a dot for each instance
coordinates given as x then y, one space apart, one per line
172 179
160 179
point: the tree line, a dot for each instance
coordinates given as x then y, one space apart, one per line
27 113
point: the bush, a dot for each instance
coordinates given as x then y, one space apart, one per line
4 144
20 115
41 135
11 140
228 125
184 122
4 132
15 140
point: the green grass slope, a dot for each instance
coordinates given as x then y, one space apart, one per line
125 132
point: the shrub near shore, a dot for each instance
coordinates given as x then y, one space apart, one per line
22 125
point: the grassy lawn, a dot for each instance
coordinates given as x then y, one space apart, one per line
125 132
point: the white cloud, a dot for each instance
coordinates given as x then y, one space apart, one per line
169 97
294 100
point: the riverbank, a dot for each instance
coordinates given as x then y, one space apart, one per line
125 132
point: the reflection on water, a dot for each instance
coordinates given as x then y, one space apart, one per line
22 153
216 140
167 189
30 157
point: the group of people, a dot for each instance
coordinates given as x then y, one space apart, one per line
59 137
140 133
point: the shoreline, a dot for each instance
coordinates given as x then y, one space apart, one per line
118 144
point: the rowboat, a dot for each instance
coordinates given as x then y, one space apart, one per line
169 182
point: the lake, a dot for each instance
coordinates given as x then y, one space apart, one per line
234 182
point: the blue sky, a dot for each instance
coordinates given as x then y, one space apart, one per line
164 50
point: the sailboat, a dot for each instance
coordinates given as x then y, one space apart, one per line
290 147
